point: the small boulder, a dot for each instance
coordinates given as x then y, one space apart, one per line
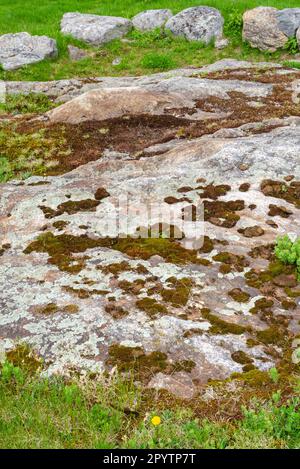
94 29
197 24
262 30
221 43
75 53
151 19
289 21
17 50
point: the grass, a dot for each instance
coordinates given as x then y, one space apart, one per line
26 104
97 412
144 53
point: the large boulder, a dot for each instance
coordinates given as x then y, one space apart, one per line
151 19
289 21
102 104
298 37
17 50
94 29
261 28
197 24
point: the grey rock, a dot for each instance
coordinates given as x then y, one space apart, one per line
197 24
151 19
298 38
75 53
221 43
95 29
261 29
81 340
116 61
289 21
17 50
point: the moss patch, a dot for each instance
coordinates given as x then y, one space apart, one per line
151 307
24 357
222 213
144 365
70 207
231 261
179 292
282 190
241 357
239 295
219 326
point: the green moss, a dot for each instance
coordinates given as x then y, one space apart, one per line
233 261
83 293
132 287
214 192
219 326
60 249
116 268
292 293
116 311
26 103
289 305
24 357
4 248
252 342
134 359
101 193
241 357
275 269
144 248
239 295
208 245
52 308
254 378
145 365
272 335
25 153
151 307
179 292
222 213
282 190
60 225
261 305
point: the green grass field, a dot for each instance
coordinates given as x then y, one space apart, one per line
41 413
145 54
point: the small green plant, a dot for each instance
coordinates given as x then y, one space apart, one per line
288 251
274 375
292 45
158 61
6 172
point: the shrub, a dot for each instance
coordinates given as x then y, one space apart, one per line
234 23
292 45
26 104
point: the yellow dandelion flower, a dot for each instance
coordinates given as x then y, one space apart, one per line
156 420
